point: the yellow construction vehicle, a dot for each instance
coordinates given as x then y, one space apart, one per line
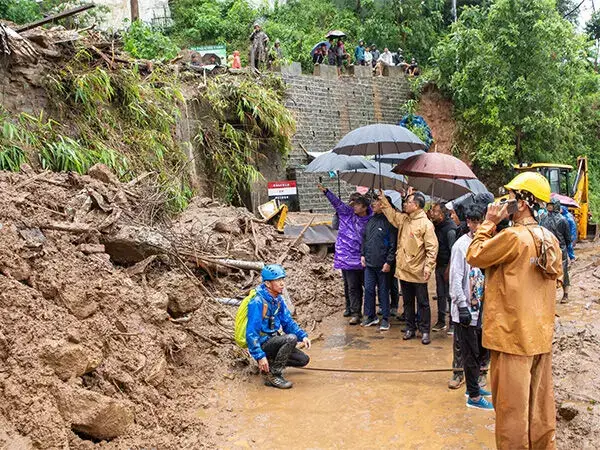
563 182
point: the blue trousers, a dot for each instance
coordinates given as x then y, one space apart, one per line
375 279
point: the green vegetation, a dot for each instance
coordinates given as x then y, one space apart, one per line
522 85
414 25
26 11
143 42
248 123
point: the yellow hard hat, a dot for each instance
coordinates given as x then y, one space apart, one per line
533 182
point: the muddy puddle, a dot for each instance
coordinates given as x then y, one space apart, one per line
343 410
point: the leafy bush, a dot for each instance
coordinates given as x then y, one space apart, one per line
143 42
249 121
20 11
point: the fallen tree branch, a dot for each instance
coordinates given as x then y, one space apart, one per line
68 227
284 255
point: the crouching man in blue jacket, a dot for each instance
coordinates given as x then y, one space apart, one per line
267 314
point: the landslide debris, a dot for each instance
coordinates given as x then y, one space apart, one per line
110 332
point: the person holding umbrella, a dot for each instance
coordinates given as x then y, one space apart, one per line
352 223
415 259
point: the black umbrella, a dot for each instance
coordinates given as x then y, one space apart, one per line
379 139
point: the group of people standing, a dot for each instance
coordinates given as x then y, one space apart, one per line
334 53
496 268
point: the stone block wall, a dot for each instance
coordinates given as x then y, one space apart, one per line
325 110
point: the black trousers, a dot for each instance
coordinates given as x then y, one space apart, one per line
410 293
354 279
457 360
471 349
281 352
394 288
442 287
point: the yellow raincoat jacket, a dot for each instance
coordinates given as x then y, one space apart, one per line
417 244
519 305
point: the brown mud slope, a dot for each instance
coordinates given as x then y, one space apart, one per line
577 355
438 113
109 332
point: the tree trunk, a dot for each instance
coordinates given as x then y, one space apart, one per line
518 150
135 10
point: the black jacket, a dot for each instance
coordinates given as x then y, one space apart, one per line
559 226
379 242
446 236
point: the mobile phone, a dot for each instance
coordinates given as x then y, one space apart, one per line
513 206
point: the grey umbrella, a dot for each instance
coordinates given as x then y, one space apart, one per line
379 139
445 188
328 162
379 175
396 158
332 162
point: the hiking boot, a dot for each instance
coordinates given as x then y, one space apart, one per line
450 330
482 380
482 403
425 339
368 321
439 326
277 381
456 381
408 335
355 320
347 313
482 392
385 325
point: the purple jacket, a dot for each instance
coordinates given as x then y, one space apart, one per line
349 238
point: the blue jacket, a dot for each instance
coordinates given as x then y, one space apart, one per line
258 330
359 53
572 225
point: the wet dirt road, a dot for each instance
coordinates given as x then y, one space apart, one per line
342 410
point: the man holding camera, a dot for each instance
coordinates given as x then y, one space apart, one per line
522 266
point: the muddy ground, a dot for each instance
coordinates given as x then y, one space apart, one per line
110 334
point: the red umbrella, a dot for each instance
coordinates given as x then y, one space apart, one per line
566 201
434 165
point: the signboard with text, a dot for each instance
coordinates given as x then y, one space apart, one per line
284 191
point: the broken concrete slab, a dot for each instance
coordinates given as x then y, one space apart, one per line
132 244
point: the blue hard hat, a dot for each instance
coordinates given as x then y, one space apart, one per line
273 272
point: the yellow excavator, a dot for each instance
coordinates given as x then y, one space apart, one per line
563 182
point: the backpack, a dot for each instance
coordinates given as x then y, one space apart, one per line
241 319
548 252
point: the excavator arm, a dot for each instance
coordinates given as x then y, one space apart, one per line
585 228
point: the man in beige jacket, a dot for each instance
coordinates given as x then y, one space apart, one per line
518 314
415 260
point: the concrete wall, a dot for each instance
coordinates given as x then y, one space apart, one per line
151 12
325 110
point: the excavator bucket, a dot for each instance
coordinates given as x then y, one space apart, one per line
274 213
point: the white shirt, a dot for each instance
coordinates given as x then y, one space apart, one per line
386 58
460 287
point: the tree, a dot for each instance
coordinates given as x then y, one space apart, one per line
516 73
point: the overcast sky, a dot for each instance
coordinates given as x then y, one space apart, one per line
586 10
